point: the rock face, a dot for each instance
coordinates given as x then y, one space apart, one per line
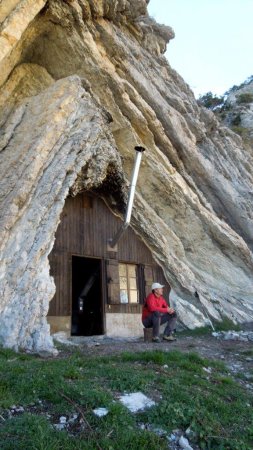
237 112
82 83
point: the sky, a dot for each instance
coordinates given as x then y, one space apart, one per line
213 46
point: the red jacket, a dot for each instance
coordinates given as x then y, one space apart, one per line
153 303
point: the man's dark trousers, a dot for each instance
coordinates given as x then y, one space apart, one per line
157 318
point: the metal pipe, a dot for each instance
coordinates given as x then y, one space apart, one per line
139 151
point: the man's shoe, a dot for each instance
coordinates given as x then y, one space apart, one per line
169 338
156 339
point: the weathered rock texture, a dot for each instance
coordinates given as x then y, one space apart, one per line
237 111
83 82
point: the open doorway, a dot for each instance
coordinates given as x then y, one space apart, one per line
87 300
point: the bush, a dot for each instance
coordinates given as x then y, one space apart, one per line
236 120
239 130
247 97
210 101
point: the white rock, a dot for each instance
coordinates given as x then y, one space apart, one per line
100 412
215 334
173 437
136 401
20 409
184 443
63 419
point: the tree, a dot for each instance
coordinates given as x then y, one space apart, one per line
210 101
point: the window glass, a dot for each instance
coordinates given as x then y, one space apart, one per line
131 270
123 296
133 297
128 283
123 282
122 270
132 283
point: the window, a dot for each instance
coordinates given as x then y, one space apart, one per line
128 283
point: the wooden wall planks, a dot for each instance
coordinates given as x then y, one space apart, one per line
85 228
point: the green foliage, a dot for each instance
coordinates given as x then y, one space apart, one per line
199 331
210 101
226 325
246 97
239 130
247 352
236 120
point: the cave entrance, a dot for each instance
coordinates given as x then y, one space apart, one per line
87 297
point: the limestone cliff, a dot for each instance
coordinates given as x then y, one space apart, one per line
82 83
237 111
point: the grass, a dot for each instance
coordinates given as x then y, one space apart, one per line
247 352
218 411
224 325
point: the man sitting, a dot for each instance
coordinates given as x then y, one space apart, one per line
156 312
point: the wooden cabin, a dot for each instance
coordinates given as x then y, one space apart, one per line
98 292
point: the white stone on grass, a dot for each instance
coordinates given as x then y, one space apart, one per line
63 419
136 401
184 443
100 412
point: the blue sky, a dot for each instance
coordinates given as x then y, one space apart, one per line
213 46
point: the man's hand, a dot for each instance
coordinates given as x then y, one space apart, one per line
170 310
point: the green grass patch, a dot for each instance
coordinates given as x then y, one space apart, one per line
224 325
247 352
200 331
217 409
